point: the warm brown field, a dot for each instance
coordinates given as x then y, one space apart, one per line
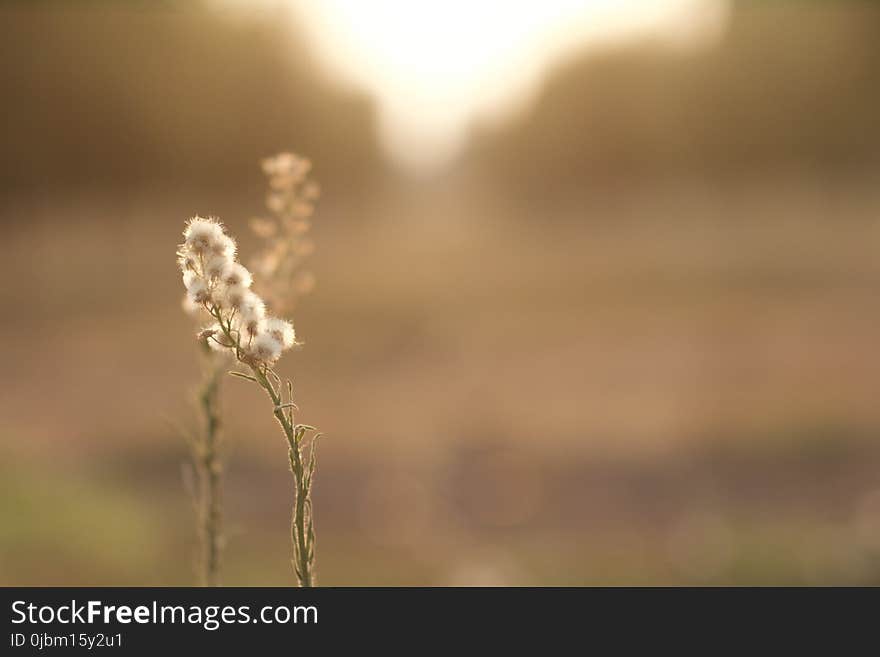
676 386
630 337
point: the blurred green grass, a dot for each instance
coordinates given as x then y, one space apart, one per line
779 515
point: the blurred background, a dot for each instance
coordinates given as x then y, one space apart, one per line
596 292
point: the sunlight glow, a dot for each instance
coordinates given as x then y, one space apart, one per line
436 66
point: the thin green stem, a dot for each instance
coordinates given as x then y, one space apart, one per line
302 527
303 565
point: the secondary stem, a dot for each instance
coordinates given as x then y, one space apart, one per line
210 470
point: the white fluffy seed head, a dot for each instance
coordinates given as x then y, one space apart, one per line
235 273
223 245
190 307
251 327
216 265
189 277
186 262
251 314
265 348
281 330
215 338
252 308
201 235
233 296
198 291
240 330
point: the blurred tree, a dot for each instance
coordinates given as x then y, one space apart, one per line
104 93
790 86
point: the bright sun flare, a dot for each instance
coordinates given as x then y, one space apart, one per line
435 66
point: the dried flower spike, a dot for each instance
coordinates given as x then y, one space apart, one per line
278 267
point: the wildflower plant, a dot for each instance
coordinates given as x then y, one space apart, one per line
241 329
281 279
